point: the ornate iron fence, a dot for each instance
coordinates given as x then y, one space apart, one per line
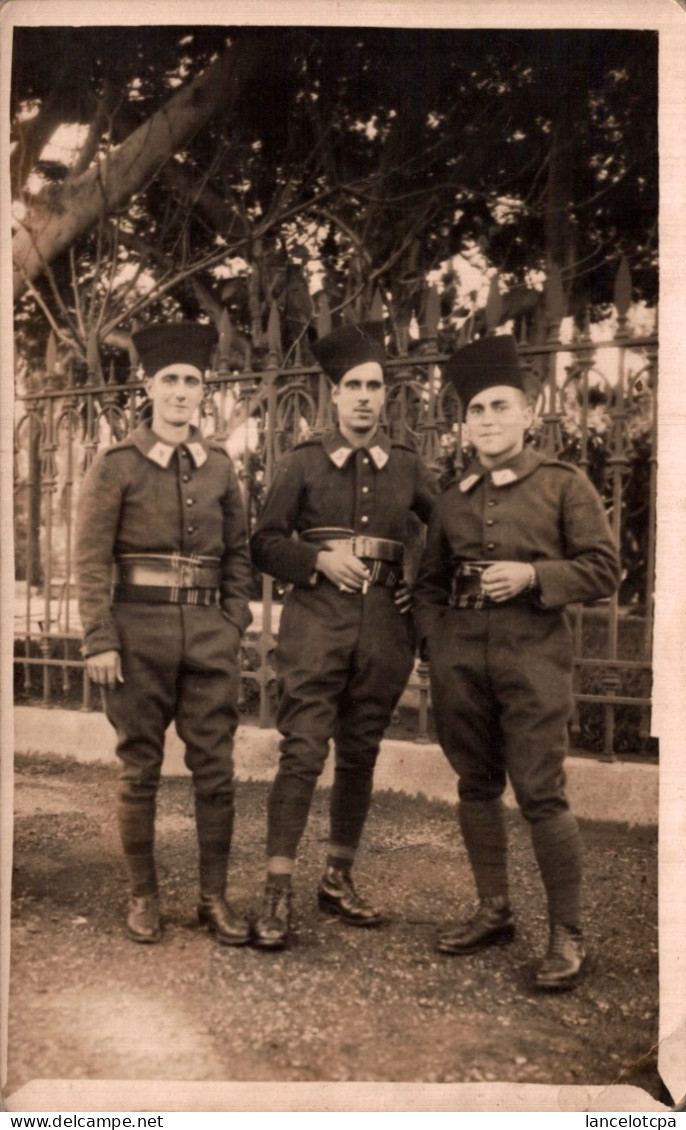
596 407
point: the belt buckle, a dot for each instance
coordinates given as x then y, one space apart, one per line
186 576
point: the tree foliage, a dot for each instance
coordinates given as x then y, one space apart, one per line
247 168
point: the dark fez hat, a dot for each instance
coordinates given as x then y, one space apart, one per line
348 346
486 362
174 343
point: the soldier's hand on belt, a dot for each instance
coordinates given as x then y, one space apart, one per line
105 668
402 597
506 579
345 571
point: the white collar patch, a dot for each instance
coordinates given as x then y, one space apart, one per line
340 456
502 478
469 482
379 456
198 453
160 453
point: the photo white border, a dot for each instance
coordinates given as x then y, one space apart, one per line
668 17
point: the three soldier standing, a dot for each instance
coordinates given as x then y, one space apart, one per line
517 538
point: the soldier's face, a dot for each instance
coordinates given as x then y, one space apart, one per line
176 393
497 420
359 397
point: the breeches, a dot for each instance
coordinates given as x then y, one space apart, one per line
179 662
501 684
342 663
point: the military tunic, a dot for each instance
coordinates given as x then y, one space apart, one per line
501 674
179 661
342 659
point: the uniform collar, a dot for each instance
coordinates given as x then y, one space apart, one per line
160 452
515 469
339 450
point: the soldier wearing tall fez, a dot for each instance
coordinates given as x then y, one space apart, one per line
515 539
346 640
163 570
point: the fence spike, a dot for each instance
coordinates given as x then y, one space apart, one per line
51 353
494 304
323 315
465 331
274 331
432 311
554 295
134 359
93 357
623 288
225 339
376 309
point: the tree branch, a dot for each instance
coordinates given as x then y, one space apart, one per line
53 226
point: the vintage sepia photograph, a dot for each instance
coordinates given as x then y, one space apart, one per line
342 668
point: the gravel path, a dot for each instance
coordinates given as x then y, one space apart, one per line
341 1004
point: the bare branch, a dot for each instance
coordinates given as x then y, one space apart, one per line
115 228
71 340
77 296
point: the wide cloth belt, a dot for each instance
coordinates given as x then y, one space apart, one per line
466 588
382 556
166 578
360 545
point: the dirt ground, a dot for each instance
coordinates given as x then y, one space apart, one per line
341 1004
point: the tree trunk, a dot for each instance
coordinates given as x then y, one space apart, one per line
54 222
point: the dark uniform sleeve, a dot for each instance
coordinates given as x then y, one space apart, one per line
590 568
432 589
236 573
97 522
274 550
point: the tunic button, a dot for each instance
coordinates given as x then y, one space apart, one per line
491 546
365 490
189 501
365 460
364 518
491 502
186 479
191 529
490 521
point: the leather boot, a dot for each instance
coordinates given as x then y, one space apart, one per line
562 964
228 927
272 930
143 919
493 924
337 895
557 847
136 820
